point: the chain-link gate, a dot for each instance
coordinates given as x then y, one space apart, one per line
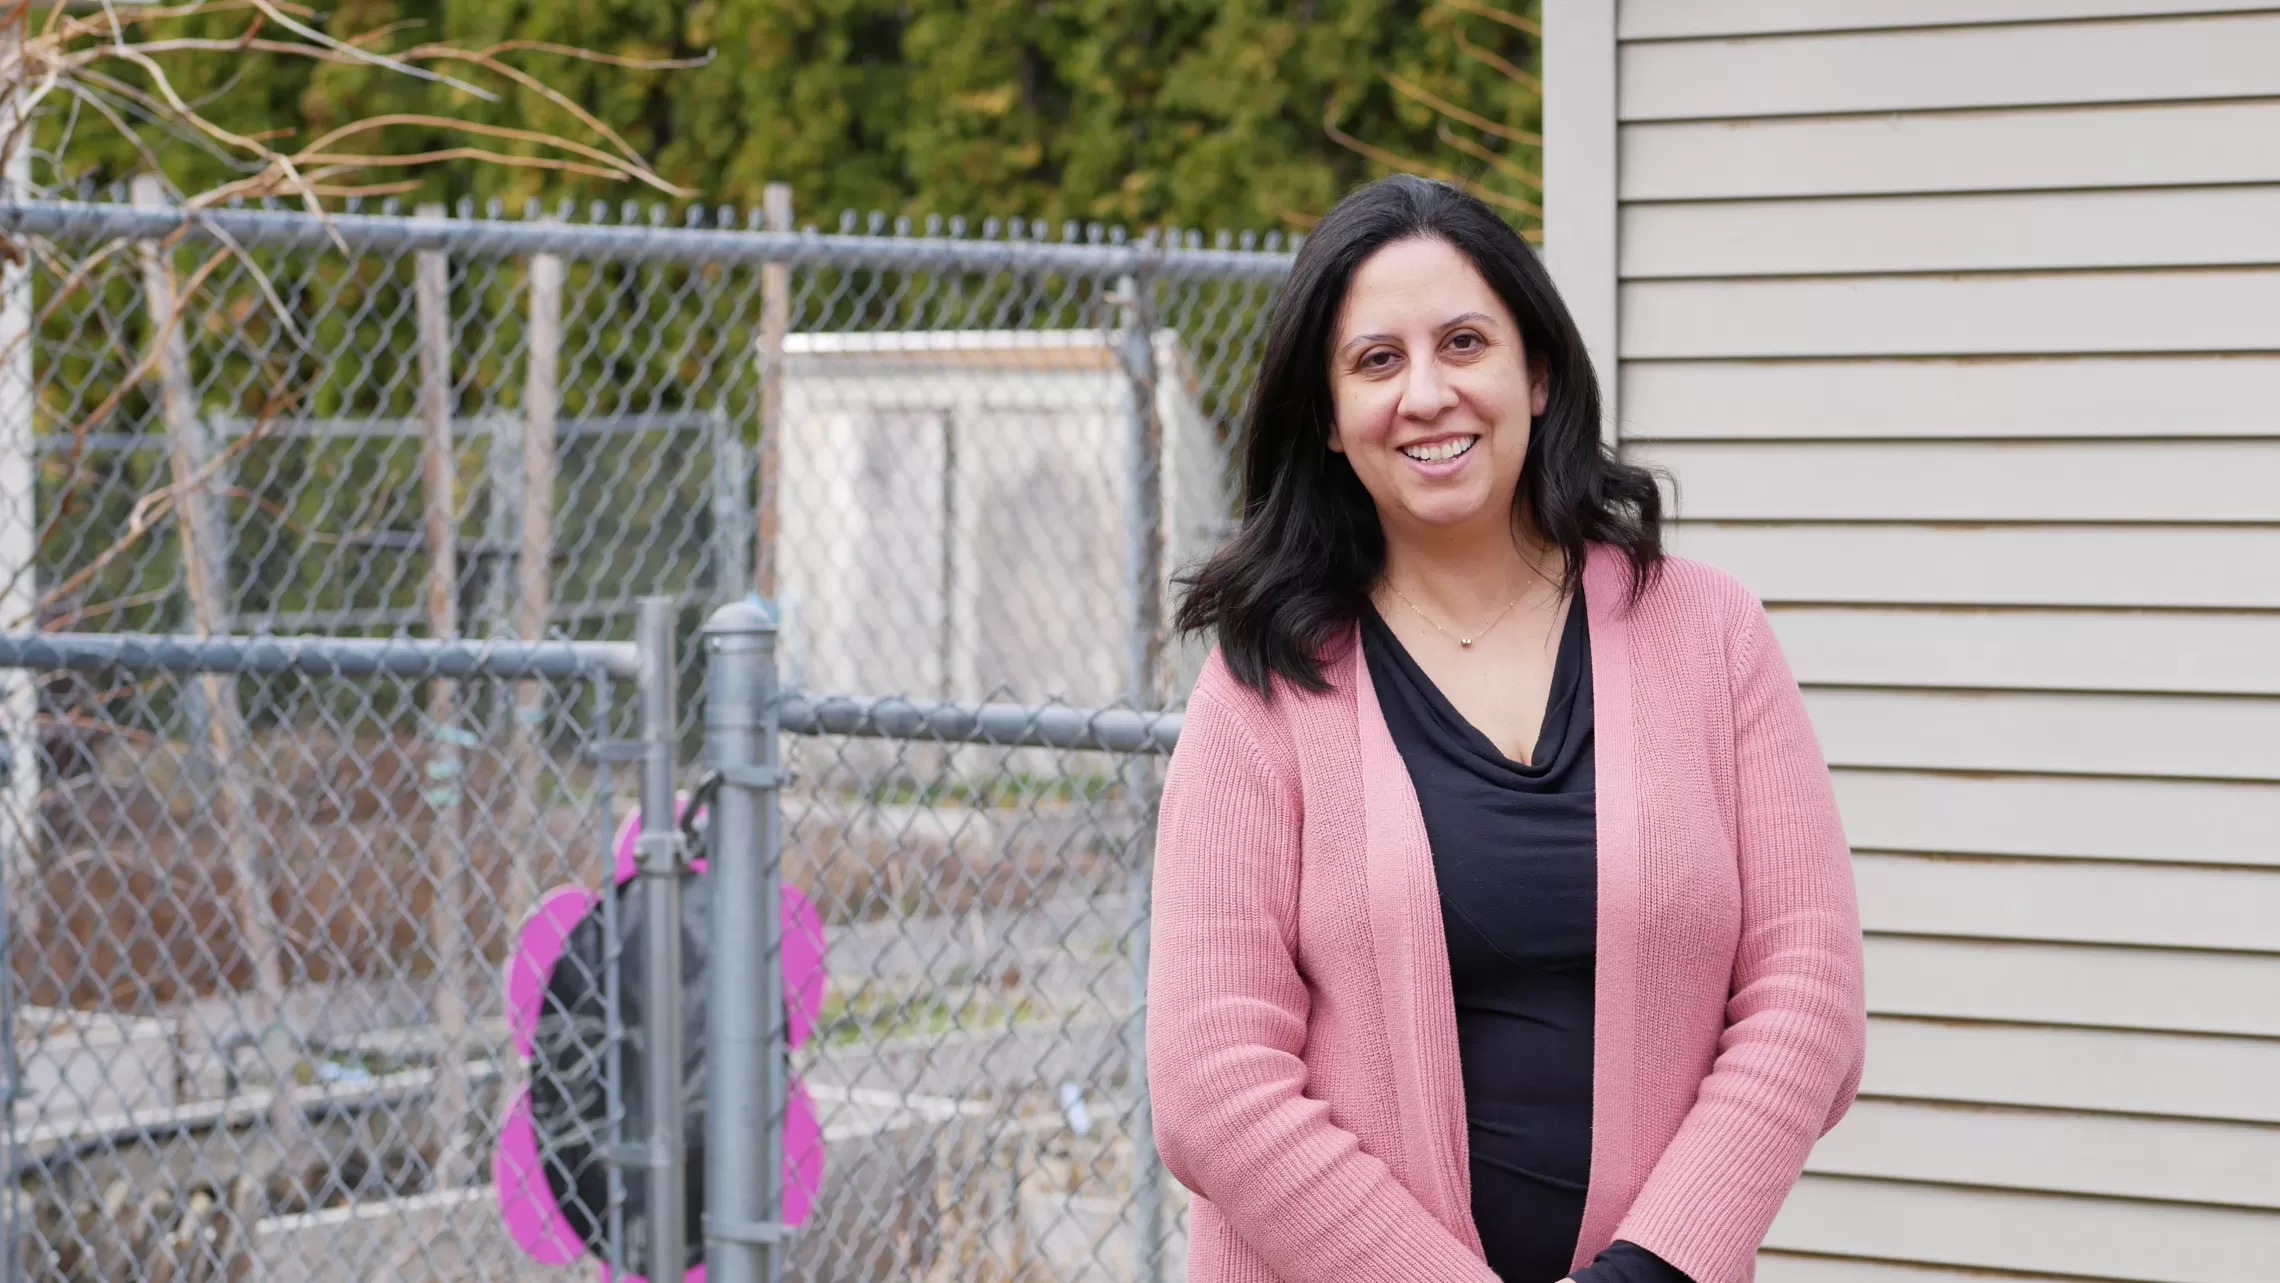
976 1069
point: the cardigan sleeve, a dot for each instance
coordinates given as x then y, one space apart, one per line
1790 1057
1227 1020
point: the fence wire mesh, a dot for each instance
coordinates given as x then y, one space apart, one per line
919 444
256 1015
977 1068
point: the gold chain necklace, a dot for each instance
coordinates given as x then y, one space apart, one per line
1465 642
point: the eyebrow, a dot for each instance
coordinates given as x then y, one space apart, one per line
1450 324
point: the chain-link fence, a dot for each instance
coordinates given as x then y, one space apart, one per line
253 996
369 983
950 458
260 900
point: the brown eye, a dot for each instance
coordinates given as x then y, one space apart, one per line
1466 341
1377 358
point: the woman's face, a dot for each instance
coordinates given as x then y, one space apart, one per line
1431 389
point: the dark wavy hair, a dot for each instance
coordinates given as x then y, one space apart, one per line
1299 571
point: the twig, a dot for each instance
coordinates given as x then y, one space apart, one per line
509 133
1396 162
1470 148
1512 71
366 55
81 614
1454 112
1493 14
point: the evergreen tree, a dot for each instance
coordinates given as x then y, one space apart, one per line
1214 113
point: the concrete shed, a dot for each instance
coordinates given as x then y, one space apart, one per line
1957 323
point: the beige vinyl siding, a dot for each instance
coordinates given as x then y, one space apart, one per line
1956 327
2145 480
2171 59
2061 148
2206 991
2113 1071
2169 397
2184 652
1666 19
2211 310
2062 817
2202 226
2190 567
2102 1238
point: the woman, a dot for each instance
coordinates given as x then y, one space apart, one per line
1503 924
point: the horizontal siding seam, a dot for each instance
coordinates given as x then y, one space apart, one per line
1976 1273
1963 274
2065 1111
1822 198
2013 857
1891 29
2082 942
1778 602
1928 442
1958 109
2006 354
1905 193
1981 774
2028 1191
1979 1022
2115 692
1972 524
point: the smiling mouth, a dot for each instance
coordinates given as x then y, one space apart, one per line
1440 451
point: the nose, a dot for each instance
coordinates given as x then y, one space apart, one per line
1426 392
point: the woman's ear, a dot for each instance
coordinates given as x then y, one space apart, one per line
1336 446
1539 387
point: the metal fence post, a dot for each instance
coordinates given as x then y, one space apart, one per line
659 850
1144 569
731 512
744 1120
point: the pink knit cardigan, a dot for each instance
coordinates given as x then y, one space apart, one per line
1302 1039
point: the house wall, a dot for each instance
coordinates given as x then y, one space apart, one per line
1957 324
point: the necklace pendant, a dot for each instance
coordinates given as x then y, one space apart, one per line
1465 642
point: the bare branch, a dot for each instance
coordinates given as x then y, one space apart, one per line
1454 112
345 161
377 60
1511 70
533 83
605 59
1470 148
1403 164
1494 14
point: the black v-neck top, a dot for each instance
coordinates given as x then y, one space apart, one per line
1515 853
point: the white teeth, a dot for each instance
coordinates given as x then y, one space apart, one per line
1440 451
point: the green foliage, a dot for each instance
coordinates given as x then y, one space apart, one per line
1181 112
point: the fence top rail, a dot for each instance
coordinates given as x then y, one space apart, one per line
1113 730
624 242
319 656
